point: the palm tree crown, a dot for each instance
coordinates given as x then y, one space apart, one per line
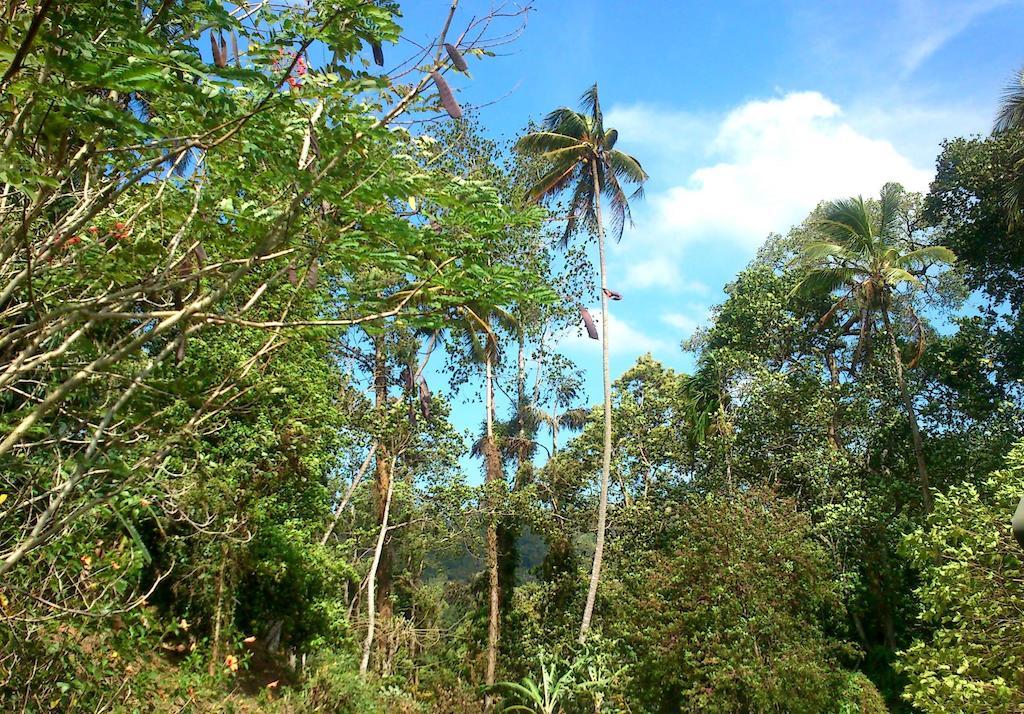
861 249
580 149
857 248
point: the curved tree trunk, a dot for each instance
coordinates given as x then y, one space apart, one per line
371 583
606 459
908 404
383 477
493 472
356 480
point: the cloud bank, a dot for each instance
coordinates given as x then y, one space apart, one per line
768 164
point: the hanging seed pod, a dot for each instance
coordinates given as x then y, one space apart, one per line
314 143
589 322
424 399
200 252
234 49
293 277
179 353
611 294
407 378
313 276
223 51
378 54
215 51
447 98
456 57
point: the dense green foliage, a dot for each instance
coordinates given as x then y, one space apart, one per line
970 594
238 263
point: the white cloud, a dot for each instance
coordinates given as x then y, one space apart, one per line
665 131
657 272
778 159
684 322
926 26
696 315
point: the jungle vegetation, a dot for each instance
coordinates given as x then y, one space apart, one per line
249 254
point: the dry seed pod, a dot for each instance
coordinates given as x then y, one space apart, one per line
589 322
424 399
234 49
447 98
407 378
179 353
215 50
314 143
200 252
456 57
378 54
293 277
223 51
313 276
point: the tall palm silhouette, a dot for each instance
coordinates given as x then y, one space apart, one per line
583 160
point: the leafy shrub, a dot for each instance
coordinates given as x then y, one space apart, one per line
971 594
732 615
335 685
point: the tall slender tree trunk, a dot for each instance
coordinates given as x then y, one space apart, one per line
356 480
493 472
383 478
218 616
371 583
908 404
606 458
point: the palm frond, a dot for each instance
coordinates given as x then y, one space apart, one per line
897 276
847 221
542 143
574 419
590 102
824 281
817 251
1011 106
889 214
581 210
625 166
554 181
505 319
567 122
618 205
925 256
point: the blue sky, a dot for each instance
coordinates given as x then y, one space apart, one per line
745 114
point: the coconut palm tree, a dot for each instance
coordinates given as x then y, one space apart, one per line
476 326
856 247
582 159
707 401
